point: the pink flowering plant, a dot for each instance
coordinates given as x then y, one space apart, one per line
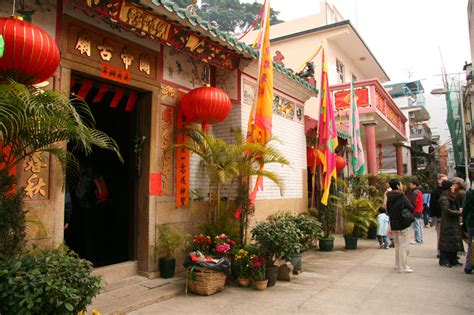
223 245
220 245
259 268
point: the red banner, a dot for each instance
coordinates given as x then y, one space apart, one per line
343 98
182 165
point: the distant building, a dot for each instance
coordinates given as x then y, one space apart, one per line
409 97
349 58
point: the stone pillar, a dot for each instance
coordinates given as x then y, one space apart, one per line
399 157
371 147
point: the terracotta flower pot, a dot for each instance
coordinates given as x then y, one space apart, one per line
260 285
243 282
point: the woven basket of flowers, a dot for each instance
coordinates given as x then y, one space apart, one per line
204 281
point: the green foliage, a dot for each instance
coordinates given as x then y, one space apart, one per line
32 121
309 228
226 223
12 222
170 241
46 281
231 15
359 217
277 239
225 162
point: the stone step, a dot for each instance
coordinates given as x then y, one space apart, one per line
132 293
117 272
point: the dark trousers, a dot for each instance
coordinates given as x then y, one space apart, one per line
447 258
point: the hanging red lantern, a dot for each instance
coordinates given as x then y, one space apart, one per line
311 156
206 105
340 163
31 56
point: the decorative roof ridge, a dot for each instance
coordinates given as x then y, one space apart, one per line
213 30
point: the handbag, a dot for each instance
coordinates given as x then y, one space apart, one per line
407 217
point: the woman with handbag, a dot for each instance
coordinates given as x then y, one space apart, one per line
450 230
400 212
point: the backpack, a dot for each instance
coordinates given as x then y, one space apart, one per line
407 217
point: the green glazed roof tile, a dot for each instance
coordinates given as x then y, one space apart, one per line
237 45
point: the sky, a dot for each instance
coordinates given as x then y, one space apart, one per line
407 37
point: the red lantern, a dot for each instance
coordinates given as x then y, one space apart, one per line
311 156
206 105
340 163
31 55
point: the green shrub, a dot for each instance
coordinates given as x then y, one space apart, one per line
309 228
46 281
170 240
277 239
12 222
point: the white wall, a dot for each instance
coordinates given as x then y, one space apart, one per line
293 146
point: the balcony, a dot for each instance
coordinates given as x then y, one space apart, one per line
375 105
420 131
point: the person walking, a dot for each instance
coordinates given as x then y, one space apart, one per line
396 203
416 200
434 207
450 230
383 222
468 221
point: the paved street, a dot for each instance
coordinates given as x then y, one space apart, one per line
346 282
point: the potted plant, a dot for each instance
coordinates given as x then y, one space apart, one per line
169 242
243 262
327 216
277 239
259 276
309 230
359 216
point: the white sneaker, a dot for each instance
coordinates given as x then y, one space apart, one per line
406 270
413 242
397 268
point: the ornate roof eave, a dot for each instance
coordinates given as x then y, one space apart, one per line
212 32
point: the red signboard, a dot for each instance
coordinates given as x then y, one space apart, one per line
115 74
343 98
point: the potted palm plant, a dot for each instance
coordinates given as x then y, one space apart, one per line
169 242
359 216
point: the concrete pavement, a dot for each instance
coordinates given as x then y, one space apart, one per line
346 282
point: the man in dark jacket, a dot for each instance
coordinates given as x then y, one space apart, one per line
396 202
434 206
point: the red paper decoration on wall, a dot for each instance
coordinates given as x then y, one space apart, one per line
31 55
206 105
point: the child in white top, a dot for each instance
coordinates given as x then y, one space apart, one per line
383 223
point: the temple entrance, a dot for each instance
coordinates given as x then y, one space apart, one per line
102 225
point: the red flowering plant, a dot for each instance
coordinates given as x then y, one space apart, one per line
203 243
259 268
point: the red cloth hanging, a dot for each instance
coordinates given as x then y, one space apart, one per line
132 98
102 90
85 88
117 97
73 81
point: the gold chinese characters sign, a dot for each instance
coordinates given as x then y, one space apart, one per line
114 59
143 23
35 177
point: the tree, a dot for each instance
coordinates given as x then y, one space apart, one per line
231 15
225 162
